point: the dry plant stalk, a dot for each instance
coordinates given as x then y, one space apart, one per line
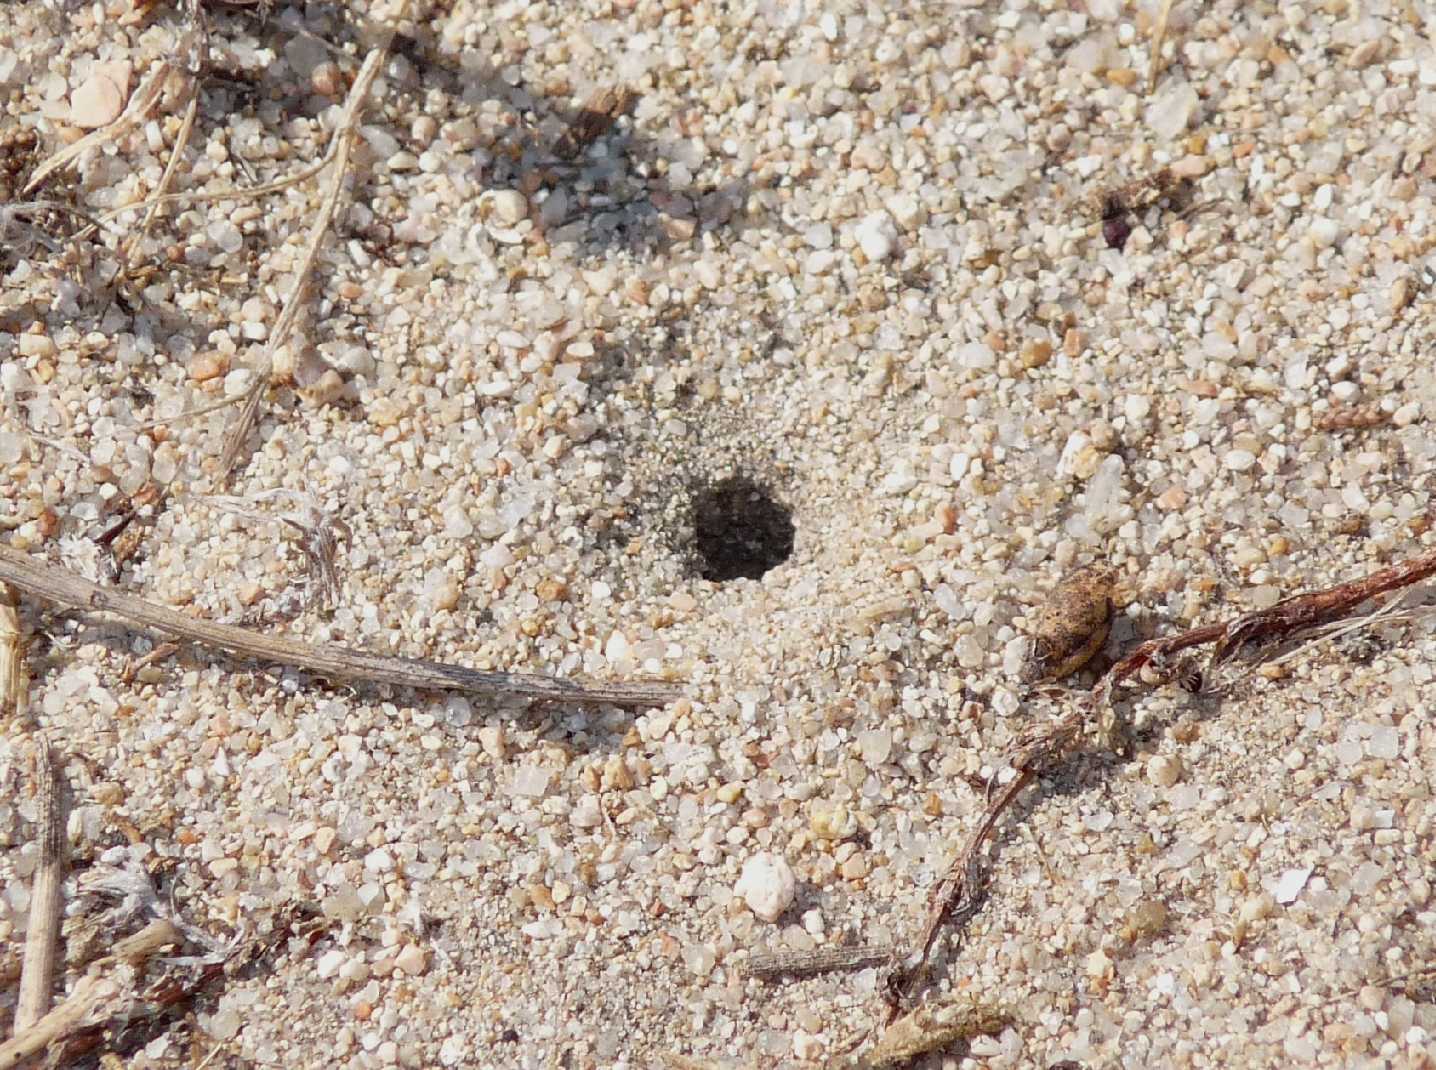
14 681
93 999
65 588
343 144
1159 36
198 51
42 936
929 1028
955 898
132 248
88 1002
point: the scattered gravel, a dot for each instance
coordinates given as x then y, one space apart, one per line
849 258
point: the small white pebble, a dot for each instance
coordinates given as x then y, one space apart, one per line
491 738
1324 232
806 1046
1407 414
876 746
1256 907
1240 460
877 236
587 813
700 959
767 885
1289 885
509 206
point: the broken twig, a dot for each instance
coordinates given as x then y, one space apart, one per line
343 144
65 588
14 684
42 936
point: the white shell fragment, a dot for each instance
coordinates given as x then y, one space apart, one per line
767 885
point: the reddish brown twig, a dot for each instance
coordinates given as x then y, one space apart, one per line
956 897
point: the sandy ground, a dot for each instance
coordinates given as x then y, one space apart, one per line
559 383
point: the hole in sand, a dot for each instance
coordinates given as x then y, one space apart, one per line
739 530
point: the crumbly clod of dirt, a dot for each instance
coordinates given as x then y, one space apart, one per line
1072 624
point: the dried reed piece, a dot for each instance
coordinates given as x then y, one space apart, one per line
87 1003
929 1028
65 588
344 136
42 936
14 682
198 51
93 999
132 247
1159 37
956 898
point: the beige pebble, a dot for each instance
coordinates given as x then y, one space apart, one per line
1164 770
100 99
208 365
36 345
1172 498
508 206
324 390
491 738
831 821
411 960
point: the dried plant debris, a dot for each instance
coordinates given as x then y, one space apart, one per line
317 531
773 964
1115 207
33 577
1072 624
956 898
121 535
596 118
929 1028
19 149
1352 418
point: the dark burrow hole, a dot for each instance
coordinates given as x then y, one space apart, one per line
739 530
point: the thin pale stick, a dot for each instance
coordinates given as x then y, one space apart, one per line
14 682
181 140
42 936
63 587
238 193
222 403
1159 36
87 1003
344 142
159 933
93 999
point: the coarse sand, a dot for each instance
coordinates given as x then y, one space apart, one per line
787 351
